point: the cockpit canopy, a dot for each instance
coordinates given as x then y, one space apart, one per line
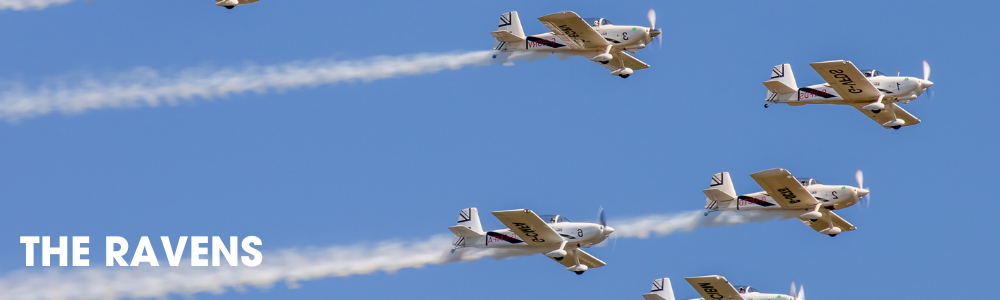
594 22
872 73
554 219
808 181
743 289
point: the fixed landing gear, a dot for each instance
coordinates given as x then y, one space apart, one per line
605 62
813 220
230 7
766 105
875 111
558 258
832 235
624 76
896 127
579 272
452 250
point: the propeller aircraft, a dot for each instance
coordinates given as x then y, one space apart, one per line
594 38
554 235
783 192
869 91
716 287
229 4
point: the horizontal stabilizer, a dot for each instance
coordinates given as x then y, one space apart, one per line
463 231
721 188
778 87
506 36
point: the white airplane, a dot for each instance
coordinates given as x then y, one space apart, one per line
593 38
784 192
553 235
716 287
869 91
233 3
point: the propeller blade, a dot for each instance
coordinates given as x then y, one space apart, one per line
802 293
860 177
927 70
651 14
792 293
601 218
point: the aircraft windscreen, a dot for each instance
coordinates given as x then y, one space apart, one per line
872 73
597 21
743 289
808 181
553 218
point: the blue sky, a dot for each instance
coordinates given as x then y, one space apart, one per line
363 162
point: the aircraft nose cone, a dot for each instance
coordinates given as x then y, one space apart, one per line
862 192
608 230
927 83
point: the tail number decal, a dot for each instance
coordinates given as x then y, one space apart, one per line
787 193
528 232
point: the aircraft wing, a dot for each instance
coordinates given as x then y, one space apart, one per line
886 114
585 259
714 287
620 59
528 226
784 189
847 80
824 222
570 28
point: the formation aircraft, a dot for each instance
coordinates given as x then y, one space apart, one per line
554 235
229 4
594 38
716 287
869 91
784 192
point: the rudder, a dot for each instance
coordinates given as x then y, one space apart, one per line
720 189
508 32
468 227
661 290
782 85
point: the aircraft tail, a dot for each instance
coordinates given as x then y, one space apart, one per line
661 290
468 226
720 189
782 85
509 33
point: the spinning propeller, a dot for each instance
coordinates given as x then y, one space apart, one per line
926 83
605 229
652 32
861 191
802 292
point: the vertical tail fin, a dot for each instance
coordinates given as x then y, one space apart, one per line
509 32
468 226
782 85
720 189
661 290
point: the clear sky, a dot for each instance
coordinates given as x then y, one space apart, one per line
358 162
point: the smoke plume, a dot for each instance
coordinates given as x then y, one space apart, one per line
30 4
291 266
149 87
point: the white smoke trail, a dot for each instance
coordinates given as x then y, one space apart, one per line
661 225
293 265
145 86
30 4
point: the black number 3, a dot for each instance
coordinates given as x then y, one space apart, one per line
625 36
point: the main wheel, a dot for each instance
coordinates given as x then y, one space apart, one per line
578 272
605 62
624 76
832 235
896 127
558 258
875 111
230 7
